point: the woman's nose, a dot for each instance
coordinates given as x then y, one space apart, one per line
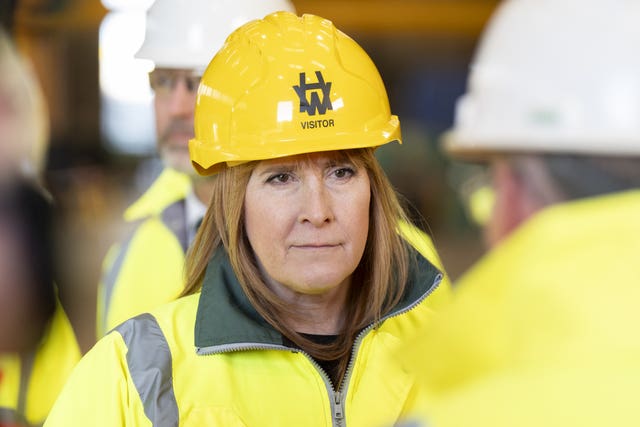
316 206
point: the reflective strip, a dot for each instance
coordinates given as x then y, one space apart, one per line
411 423
175 218
16 416
26 368
149 362
109 282
9 417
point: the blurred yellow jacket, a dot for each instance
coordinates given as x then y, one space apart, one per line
236 370
147 268
28 390
543 329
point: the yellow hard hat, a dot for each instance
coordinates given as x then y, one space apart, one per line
287 85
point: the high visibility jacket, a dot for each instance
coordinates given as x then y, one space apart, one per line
147 268
28 390
543 330
237 370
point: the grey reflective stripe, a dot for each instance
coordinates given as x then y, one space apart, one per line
109 282
175 218
9 417
149 362
411 423
26 367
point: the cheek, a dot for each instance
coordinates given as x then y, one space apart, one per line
364 222
263 224
358 217
159 112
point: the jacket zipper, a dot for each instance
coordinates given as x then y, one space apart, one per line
338 410
342 389
339 395
336 397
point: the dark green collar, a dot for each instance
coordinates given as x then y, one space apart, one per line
226 318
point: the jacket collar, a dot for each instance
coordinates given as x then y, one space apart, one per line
168 188
226 319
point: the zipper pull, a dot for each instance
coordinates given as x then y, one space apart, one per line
338 410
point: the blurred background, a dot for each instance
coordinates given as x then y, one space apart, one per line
101 155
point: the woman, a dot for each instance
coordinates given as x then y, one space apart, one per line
300 288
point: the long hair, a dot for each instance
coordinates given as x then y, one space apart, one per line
378 282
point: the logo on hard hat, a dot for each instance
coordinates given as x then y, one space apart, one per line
313 104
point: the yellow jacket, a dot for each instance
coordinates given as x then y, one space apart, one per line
543 330
239 372
28 391
146 270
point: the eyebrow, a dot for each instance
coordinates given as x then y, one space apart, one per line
279 168
289 166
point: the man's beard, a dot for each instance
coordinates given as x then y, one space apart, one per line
175 155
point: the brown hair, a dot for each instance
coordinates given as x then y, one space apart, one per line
378 281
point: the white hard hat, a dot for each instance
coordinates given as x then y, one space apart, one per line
187 33
553 76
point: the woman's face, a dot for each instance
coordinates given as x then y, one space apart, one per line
307 219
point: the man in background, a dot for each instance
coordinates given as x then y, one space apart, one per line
143 271
542 330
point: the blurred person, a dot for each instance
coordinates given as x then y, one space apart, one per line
27 299
38 347
24 128
146 269
542 330
300 283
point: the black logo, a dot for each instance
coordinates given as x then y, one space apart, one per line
314 104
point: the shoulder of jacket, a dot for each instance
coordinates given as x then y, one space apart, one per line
170 187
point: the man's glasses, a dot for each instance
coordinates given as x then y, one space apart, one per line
163 81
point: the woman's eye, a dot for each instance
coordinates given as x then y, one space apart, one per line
280 178
345 172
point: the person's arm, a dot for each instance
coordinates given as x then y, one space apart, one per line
100 391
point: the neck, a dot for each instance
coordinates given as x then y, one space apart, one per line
320 314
